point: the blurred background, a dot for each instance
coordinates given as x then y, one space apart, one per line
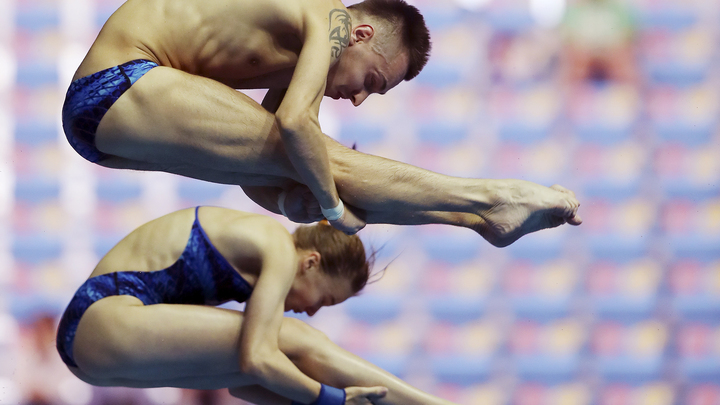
614 99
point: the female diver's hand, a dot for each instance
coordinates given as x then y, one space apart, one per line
364 395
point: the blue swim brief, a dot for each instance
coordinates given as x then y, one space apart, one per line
89 98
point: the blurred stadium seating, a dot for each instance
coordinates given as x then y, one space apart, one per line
624 310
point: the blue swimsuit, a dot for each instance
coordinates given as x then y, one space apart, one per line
201 276
90 97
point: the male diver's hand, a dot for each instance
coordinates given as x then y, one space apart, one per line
301 205
364 395
348 222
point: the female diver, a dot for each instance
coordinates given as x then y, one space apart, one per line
146 316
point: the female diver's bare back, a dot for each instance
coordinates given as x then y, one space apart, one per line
159 243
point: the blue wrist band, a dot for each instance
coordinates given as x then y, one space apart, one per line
328 396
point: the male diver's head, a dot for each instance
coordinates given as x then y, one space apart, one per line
389 43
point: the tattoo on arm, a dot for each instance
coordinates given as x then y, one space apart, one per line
340 26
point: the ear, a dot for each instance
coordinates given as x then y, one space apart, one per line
311 262
362 33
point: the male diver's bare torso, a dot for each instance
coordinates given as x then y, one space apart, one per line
241 43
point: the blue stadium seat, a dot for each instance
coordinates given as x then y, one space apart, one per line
442 133
547 368
36 133
674 18
676 73
374 308
692 190
36 249
603 133
629 369
37 190
196 192
624 308
524 132
361 133
540 308
37 74
703 369
118 191
461 369
617 247
611 189
35 19
27 306
705 307
457 309
437 74
510 21
687 133
697 246
453 249
442 18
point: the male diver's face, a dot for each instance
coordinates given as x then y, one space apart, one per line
313 289
362 71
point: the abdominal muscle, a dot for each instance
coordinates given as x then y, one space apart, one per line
242 43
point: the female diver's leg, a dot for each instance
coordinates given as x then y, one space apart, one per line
120 341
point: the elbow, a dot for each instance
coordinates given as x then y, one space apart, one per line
252 366
291 123
288 123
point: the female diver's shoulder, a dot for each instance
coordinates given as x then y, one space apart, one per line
242 228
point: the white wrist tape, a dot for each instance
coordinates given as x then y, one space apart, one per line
332 214
281 202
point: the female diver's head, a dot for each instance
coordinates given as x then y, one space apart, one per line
332 267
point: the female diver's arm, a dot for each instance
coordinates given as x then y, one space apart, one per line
260 355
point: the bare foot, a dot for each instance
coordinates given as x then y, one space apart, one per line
522 207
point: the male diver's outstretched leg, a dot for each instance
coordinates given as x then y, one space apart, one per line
200 128
300 206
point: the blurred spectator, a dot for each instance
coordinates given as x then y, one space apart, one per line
599 38
40 370
523 58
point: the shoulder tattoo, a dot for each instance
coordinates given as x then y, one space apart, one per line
340 26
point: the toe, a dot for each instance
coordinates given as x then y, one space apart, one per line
575 220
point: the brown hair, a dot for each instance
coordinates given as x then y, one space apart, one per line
341 255
415 36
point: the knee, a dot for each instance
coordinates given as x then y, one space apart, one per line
298 339
292 327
